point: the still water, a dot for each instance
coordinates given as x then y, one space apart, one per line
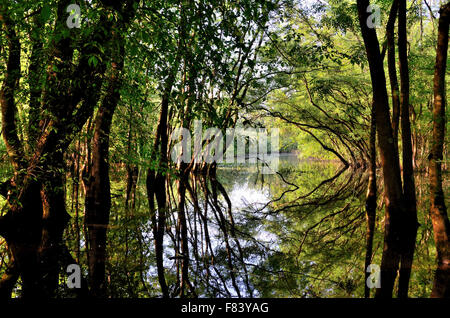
297 233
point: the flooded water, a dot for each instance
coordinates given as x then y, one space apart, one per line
297 233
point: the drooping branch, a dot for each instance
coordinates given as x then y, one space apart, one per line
304 127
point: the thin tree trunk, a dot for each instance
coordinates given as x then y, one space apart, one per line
371 200
409 227
156 181
393 71
98 194
132 170
156 188
184 283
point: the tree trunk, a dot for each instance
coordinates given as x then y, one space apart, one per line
156 188
388 157
98 194
371 200
392 71
184 244
156 180
409 226
438 210
36 217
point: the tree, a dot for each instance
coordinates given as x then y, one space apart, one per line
37 216
410 223
98 193
438 210
388 157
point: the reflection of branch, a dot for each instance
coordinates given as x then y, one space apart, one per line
211 200
282 195
317 224
322 201
291 272
233 232
293 190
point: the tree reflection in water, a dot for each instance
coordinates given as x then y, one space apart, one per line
298 233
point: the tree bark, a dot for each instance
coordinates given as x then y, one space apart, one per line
410 224
393 71
14 147
438 210
98 194
388 157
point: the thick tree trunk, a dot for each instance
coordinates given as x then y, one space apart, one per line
23 236
13 145
438 210
54 220
388 157
98 192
